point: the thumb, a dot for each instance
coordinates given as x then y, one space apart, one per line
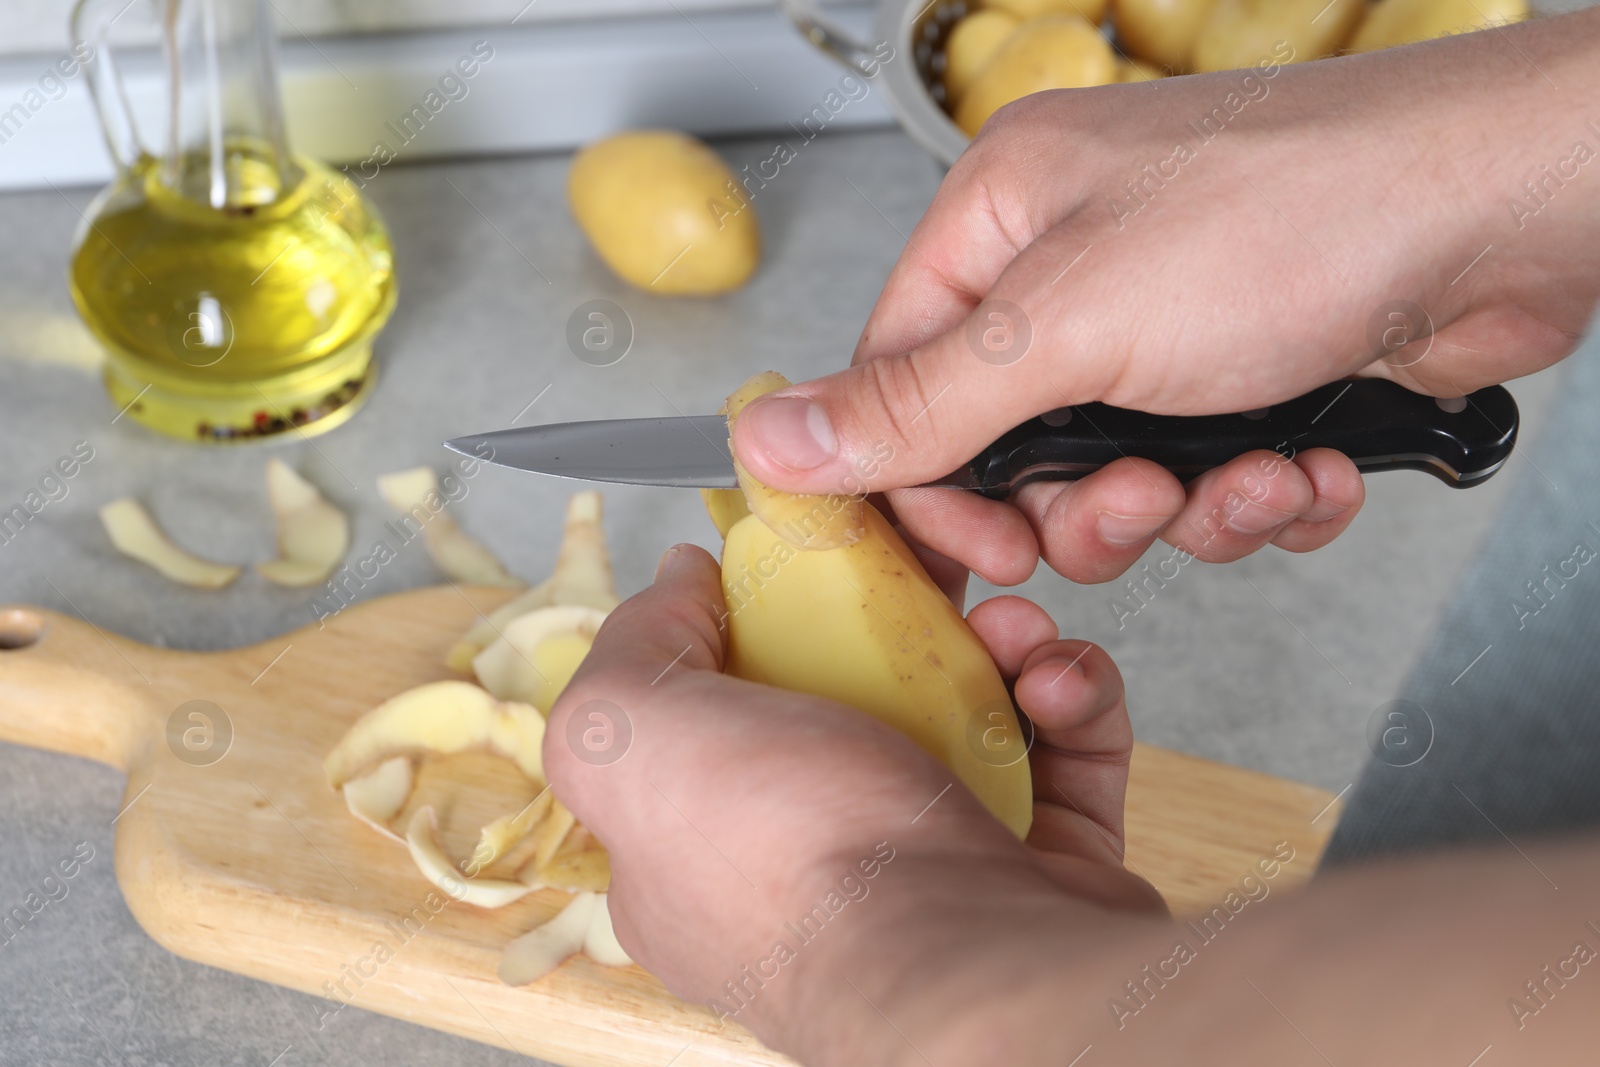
674 625
900 420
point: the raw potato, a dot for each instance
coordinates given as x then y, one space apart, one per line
437 868
313 535
971 44
665 213
1092 10
806 522
864 625
1052 52
1396 22
1133 70
1161 32
549 945
725 506
439 718
1242 33
136 535
377 796
538 654
415 494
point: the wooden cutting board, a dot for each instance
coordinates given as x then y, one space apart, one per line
238 855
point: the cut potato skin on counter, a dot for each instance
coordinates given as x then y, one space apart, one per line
136 535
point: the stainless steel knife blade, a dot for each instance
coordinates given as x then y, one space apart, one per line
684 451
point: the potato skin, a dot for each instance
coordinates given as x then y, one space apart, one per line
1093 10
1051 52
665 213
1396 22
1161 32
970 46
1240 33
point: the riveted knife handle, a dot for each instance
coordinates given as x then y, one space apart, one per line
1378 424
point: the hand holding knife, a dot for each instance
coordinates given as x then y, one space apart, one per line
1378 424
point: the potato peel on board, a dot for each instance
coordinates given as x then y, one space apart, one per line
377 796
548 630
537 655
440 718
582 577
584 925
437 868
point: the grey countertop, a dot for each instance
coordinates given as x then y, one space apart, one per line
1274 663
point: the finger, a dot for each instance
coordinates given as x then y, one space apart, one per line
1240 506
903 419
1111 887
948 574
988 537
1093 529
1011 628
1074 694
1339 492
952 258
1083 741
675 625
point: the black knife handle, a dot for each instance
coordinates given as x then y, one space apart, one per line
1378 424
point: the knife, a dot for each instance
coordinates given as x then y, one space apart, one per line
1378 424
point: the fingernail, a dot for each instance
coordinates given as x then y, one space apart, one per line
1253 519
1323 510
667 559
792 430
1058 669
1127 529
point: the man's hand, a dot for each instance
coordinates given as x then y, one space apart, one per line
1264 259
735 809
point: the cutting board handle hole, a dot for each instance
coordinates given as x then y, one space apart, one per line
19 628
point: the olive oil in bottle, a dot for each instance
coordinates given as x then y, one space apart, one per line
236 288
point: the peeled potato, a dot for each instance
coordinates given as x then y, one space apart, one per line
665 213
1241 33
1092 10
1396 22
1162 32
1052 52
971 44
